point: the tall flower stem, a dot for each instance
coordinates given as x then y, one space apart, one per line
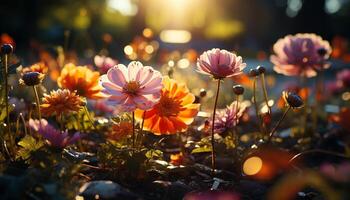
89 117
278 124
37 102
235 129
256 105
7 93
141 129
213 161
133 130
263 84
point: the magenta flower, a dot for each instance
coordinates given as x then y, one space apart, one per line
104 63
343 78
220 64
300 55
53 136
135 86
228 118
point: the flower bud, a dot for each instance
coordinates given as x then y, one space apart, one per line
261 69
292 100
31 78
238 89
6 49
202 93
253 72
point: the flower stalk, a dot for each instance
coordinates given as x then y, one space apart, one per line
213 160
37 101
278 124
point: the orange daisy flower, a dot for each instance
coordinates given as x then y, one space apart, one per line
174 111
82 80
59 102
120 131
37 67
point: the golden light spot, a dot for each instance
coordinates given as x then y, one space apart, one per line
183 63
175 36
252 166
346 96
147 32
171 63
128 50
305 60
149 49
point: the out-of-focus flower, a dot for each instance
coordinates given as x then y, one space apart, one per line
53 136
174 111
302 92
177 159
220 64
342 118
102 106
60 102
31 78
227 118
104 63
292 100
120 131
212 195
340 48
82 80
135 86
6 39
340 173
343 78
37 67
299 55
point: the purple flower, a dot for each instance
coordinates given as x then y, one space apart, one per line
300 55
220 64
104 63
228 118
54 137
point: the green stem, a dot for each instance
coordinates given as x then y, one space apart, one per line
141 130
133 130
319 151
37 102
256 105
6 94
263 83
89 117
213 160
278 124
235 129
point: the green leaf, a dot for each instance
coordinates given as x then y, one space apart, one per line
204 149
29 145
154 154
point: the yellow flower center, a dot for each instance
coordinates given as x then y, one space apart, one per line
132 87
168 106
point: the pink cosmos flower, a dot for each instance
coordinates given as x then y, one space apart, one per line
54 137
135 86
343 78
220 64
228 118
104 63
301 55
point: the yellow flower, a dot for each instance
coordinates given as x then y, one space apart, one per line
82 80
174 111
61 102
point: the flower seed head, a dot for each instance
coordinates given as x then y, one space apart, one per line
293 100
6 49
202 93
31 78
238 89
261 69
253 72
